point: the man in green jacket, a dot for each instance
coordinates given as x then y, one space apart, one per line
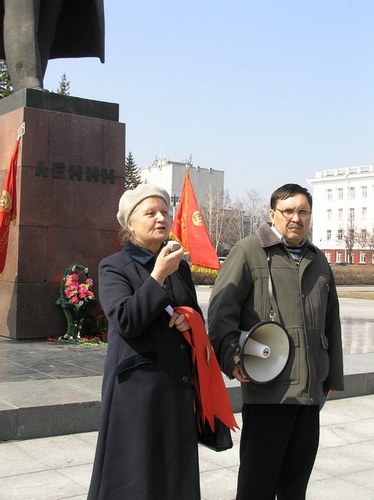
280 431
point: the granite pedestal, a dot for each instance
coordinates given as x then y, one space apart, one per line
70 177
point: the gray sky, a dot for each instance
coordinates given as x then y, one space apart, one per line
269 91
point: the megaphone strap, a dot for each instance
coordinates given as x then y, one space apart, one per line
273 304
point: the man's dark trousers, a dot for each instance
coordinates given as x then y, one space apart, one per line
278 447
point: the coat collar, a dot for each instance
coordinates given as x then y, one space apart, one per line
137 253
268 238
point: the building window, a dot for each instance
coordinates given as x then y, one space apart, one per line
328 257
351 214
362 257
338 257
351 193
340 193
364 212
340 234
363 235
340 213
329 214
364 191
328 235
329 194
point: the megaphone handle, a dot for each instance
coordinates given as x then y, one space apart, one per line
256 348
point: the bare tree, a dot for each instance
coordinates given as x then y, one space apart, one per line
370 246
213 211
349 238
246 216
228 223
256 211
235 230
366 242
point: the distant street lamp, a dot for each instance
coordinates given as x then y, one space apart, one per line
174 202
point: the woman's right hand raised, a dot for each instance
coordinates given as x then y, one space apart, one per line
167 262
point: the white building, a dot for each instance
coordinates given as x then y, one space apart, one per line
170 176
343 214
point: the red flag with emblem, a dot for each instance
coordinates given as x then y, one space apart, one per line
189 229
8 205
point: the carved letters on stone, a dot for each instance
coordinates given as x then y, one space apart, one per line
59 170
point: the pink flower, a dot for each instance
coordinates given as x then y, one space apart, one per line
82 289
71 278
78 288
84 292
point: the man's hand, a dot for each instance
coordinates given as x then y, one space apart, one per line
238 374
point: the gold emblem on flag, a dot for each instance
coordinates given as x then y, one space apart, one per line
197 218
5 202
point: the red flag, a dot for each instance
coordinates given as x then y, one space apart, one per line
190 230
8 206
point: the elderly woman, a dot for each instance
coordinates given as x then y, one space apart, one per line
147 445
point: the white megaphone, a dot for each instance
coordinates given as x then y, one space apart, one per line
264 351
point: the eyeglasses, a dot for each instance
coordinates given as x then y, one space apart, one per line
288 213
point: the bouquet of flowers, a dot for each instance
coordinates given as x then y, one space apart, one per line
76 296
77 292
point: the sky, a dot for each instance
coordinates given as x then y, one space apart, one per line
269 91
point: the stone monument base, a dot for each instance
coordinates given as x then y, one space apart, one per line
70 177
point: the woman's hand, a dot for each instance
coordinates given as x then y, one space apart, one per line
180 322
167 263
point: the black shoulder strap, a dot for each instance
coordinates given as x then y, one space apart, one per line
273 305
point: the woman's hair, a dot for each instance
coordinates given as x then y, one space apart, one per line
288 191
124 234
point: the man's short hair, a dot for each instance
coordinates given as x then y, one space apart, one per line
288 191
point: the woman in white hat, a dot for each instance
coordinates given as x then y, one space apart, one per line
147 444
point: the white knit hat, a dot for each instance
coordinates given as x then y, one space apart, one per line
132 197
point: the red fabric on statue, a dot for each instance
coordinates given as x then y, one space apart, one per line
8 205
213 399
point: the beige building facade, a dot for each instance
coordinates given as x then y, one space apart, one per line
343 214
170 175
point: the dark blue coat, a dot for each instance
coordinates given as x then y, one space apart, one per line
147 445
